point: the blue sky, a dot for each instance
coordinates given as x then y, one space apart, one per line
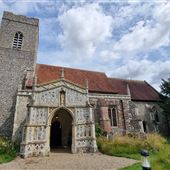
124 39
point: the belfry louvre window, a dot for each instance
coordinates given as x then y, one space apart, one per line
18 39
112 116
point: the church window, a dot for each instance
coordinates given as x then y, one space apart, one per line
17 41
112 116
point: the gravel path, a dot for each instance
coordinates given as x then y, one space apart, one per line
67 161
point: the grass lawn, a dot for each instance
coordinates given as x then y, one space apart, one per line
158 160
130 147
4 158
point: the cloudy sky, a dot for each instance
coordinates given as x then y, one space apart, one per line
124 39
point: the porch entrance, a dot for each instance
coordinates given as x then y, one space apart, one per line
61 130
56 132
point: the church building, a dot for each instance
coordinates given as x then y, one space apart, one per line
44 107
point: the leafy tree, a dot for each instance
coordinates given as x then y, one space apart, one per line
165 104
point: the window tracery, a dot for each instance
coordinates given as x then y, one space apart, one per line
18 40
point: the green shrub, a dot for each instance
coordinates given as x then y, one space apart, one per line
8 147
99 131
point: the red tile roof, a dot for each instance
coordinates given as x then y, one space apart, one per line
119 85
97 81
139 90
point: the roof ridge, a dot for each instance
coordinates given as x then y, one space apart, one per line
126 79
72 68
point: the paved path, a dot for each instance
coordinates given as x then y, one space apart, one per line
68 161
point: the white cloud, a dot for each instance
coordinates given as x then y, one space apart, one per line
128 12
147 70
146 35
53 58
107 55
84 28
162 13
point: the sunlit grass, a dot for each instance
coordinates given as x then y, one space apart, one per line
129 147
159 160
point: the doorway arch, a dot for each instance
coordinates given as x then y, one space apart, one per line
61 129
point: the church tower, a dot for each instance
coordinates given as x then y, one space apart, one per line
18 51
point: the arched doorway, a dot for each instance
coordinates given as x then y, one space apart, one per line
61 130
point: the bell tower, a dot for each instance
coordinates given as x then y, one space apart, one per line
18 53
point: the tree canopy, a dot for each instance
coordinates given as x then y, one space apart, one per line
165 91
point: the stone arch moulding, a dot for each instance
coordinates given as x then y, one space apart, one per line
52 113
50 117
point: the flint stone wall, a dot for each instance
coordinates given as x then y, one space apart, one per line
13 66
14 63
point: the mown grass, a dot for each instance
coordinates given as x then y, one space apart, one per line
8 150
130 147
133 167
159 160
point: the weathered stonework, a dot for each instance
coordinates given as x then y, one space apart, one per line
126 119
14 63
20 115
146 111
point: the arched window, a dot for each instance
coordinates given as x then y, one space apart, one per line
112 116
18 39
